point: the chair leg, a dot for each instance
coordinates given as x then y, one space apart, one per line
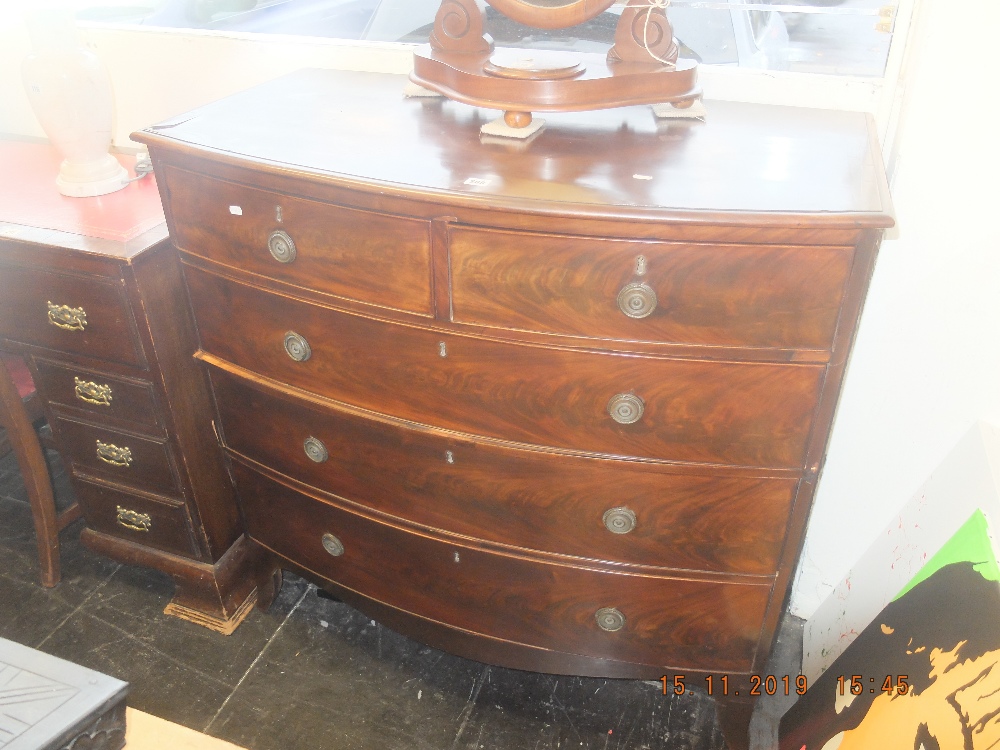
31 459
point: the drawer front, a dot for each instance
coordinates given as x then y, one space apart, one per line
141 519
620 511
112 397
86 316
737 295
361 255
715 412
140 462
667 621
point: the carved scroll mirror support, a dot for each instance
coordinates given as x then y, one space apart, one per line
642 67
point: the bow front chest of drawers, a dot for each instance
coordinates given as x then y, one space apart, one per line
557 405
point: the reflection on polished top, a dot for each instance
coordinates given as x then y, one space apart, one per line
744 159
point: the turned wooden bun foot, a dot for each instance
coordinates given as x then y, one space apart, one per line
517 119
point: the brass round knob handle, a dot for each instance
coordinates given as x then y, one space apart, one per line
626 408
637 300
619 520
282 246
332 545
297 347
315 450
609 619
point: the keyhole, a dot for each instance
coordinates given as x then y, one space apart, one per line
640 265
457 558
277 214
443 349
449 457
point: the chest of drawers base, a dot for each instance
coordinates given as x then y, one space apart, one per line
106 329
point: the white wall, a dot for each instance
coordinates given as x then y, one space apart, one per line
926 364
927 361
159 73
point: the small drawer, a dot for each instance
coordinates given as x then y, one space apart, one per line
618 511
740 413
127 400
715 295
140 462
86 316
643 619
153 522
360 255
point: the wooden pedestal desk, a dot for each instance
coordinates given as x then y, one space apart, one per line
98 308
557 405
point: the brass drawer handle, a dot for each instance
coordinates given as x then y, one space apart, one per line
297 347
315 450
626 408
132 519
610 619
332 545
282 246
92 393
112 454
637 300
66 317
619 520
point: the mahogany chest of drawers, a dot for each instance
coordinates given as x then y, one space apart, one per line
557 405
107 331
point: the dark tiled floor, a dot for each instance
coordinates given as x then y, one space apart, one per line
313 673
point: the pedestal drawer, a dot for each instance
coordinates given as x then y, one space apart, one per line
87 316
127 400
124 458
620 511
684 410
734 295
641 619
362 255
152 522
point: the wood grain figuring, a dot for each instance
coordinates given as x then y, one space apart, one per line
365 256
743 295
749 414
110 331
539 501
668 620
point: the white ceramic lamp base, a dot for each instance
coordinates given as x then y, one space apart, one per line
70 92
87 179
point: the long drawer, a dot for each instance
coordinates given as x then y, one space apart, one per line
641 619
755 414
738 295
87 316
620 511
362 255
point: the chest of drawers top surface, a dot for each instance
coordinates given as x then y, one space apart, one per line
745 159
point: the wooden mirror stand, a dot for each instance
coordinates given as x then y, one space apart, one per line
642 67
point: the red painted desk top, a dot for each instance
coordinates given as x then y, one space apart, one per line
28 196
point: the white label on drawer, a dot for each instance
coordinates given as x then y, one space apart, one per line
236 210
477 182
